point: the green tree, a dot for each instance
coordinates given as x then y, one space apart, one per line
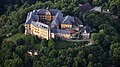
43 43
90 64
8 45
79 62
15 55
115 53
51 44
53 53
114 6
21 28
20 50
13 62
96 38
8 63
37 64
91 58
81 54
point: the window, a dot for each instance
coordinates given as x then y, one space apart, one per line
48 13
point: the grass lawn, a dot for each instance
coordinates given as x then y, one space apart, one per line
63 43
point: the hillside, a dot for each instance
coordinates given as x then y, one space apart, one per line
20 50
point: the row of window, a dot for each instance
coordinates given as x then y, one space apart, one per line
35 28
40 31
43 34
64 35
36 32
47 17
66 26
43 27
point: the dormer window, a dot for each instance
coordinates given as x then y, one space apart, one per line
48 13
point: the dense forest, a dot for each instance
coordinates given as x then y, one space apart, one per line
15 45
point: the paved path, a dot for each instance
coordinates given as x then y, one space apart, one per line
80 40
89 40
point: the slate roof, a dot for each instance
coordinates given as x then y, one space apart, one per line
61 31
41 11
87 28
55 22
64 20
68 20
52 11
58 18
40 25
85 7
97 9
31 17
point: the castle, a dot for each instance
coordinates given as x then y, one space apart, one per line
51 23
